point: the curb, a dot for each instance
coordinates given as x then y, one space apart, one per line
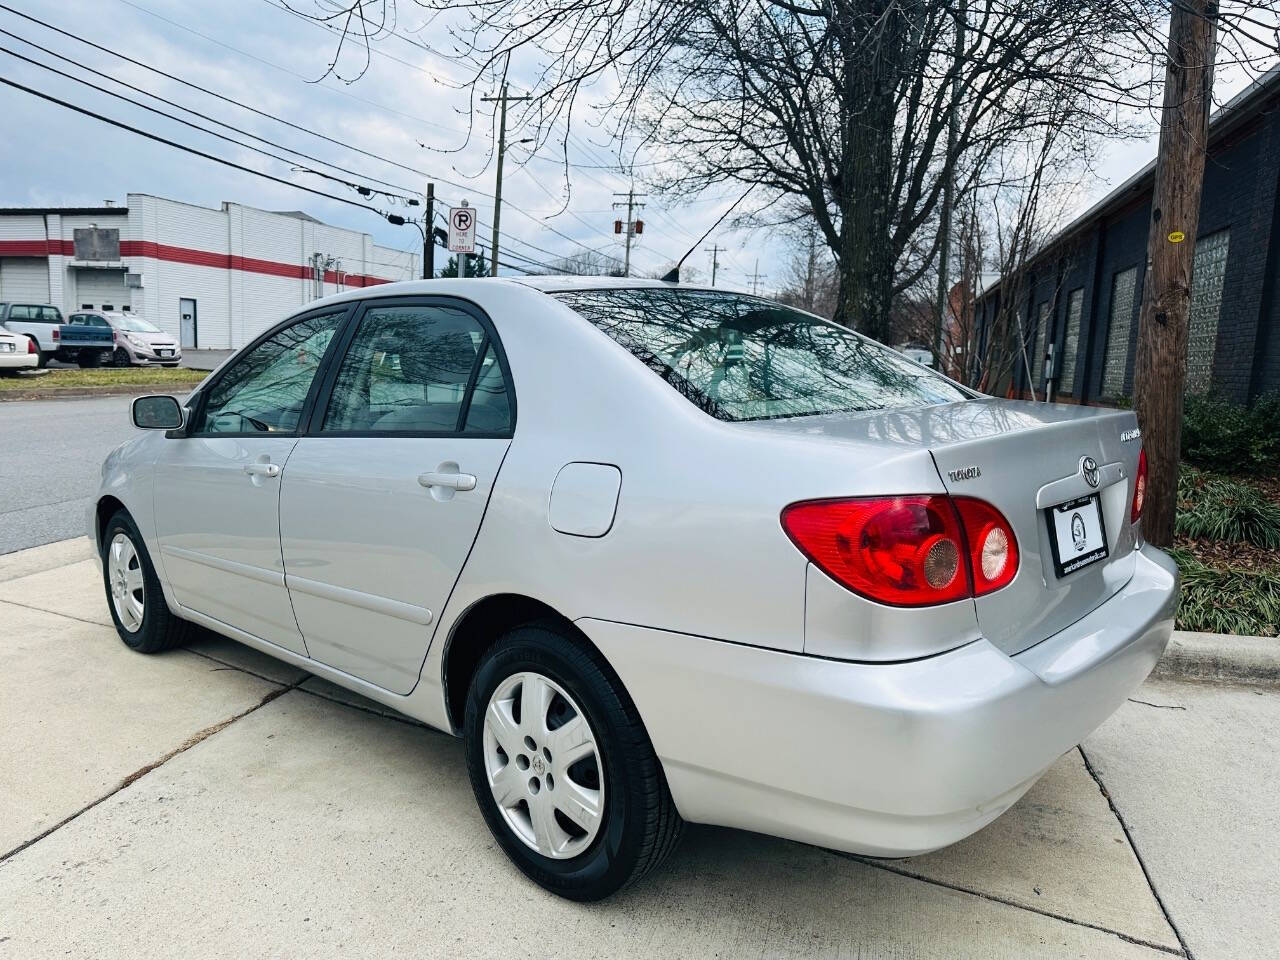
79 393
1220 658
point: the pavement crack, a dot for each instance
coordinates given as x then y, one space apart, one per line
141 772
1115 812
54 613
891 867
1158 706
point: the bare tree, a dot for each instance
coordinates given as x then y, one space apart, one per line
861 111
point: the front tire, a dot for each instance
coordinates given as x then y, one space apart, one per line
562 768
134 596
120 358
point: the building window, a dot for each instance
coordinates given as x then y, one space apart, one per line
1042 328
1206 302
1123 288
1071 343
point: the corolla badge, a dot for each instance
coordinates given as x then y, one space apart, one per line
1089 470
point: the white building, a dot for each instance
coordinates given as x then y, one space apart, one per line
214 278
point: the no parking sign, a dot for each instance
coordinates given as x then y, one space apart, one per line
462 229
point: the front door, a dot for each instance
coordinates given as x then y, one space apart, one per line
217 490
187 322
383 497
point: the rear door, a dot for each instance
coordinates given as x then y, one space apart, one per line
384 494
1029 460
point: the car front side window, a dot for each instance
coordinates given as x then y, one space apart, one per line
411 369
265 390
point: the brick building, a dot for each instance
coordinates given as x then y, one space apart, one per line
213 277
1079 306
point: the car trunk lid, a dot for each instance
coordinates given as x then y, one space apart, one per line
1023 459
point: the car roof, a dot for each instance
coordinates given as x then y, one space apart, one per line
548 284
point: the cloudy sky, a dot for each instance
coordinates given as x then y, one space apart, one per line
404 112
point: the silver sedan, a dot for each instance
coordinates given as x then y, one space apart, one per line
657 554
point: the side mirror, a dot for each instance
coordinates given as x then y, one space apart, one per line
156 413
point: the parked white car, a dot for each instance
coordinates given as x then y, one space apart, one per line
17 352
657 554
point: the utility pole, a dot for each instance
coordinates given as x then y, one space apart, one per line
715 260
948 195
502 99
1160 368
756 277
630 225
428 235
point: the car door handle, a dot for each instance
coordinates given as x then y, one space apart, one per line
450 481
262 469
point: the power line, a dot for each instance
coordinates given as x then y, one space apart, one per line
196 113
180 146
269 116
196 126
276 66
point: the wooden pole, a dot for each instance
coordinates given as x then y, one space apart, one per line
1161 364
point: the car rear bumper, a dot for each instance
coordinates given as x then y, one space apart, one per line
882 759
18 361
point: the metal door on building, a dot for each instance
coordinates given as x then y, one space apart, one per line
24 280
188 324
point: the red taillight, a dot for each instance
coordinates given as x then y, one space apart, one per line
1139 488
57 334
31 346
909 551
993 549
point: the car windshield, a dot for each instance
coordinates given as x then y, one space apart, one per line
136 324
743 358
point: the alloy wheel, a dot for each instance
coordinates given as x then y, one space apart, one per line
124 574
543 765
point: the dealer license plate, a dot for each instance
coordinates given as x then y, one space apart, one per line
1077 534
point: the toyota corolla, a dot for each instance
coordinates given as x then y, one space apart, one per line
657 554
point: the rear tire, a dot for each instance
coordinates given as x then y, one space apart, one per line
134 596
624 821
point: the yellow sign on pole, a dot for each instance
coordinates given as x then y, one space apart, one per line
1177 236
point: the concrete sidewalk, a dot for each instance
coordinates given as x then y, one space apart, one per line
212 802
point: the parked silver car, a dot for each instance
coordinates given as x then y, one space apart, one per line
657 554
138 342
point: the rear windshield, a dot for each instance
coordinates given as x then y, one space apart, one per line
743 358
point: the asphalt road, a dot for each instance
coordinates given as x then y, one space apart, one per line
50 455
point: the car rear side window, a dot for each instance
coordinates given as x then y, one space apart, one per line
743 358
419 370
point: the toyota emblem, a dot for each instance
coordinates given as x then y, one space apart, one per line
1089 470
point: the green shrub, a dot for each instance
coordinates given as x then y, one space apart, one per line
1218 508
1227 601
1220 435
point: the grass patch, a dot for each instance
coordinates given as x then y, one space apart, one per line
104 377
1219 508
1217 600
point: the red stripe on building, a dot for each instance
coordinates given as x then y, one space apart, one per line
187 255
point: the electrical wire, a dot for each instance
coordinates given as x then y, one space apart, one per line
266 115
